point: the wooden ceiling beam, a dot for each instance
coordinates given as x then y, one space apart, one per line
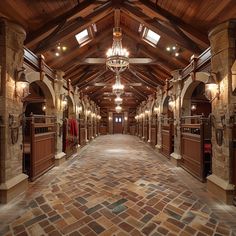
154 25
163 56
146 81
149 77
177 21
73 53
74 27
93 78
57 21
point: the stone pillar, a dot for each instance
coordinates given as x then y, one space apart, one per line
58 85
110 122
177 87
12 180
223 47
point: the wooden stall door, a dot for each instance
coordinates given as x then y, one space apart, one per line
42 154
192 154
167 140
117 124
153 136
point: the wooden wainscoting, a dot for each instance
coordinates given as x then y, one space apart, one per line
167 139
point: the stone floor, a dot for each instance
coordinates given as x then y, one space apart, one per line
117 186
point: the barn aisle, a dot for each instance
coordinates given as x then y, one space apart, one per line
117 185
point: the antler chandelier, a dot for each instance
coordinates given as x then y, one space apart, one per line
117 57
118 88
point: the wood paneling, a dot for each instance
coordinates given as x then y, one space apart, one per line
153 136
167 146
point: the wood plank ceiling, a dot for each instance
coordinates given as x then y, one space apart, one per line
183 24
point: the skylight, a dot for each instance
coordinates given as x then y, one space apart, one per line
151 37
82 36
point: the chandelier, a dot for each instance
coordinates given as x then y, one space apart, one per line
117 57
118 88
118 108
118 100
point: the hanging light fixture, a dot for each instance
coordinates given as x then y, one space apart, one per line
212 89
118 100
118 108
117 56
118 88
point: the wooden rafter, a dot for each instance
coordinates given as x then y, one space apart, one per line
75 26
154 25
57 21
175 20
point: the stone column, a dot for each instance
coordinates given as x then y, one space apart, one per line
58 85
177 87
222 40
12 180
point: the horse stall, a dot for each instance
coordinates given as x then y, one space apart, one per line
196 146
39 144
167 136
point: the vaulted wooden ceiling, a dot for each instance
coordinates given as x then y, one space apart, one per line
184 24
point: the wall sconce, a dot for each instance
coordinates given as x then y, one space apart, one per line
126 118
110 118
147 112
64 101
99 117
44 107
193 107
78 109
212 88
171 103
21 84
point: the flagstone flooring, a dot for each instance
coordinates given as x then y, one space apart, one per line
117 185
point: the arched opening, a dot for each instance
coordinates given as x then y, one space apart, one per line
39 130
70 128
167 128
196 131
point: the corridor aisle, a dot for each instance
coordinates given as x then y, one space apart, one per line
118 186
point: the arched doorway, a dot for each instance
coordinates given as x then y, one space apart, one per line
196 131
70 128
167 128
39 131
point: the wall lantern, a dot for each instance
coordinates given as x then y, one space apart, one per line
171 104
21 84
212 89
64 101
193 107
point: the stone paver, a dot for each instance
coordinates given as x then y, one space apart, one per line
117 185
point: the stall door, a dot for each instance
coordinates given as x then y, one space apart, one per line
117 124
